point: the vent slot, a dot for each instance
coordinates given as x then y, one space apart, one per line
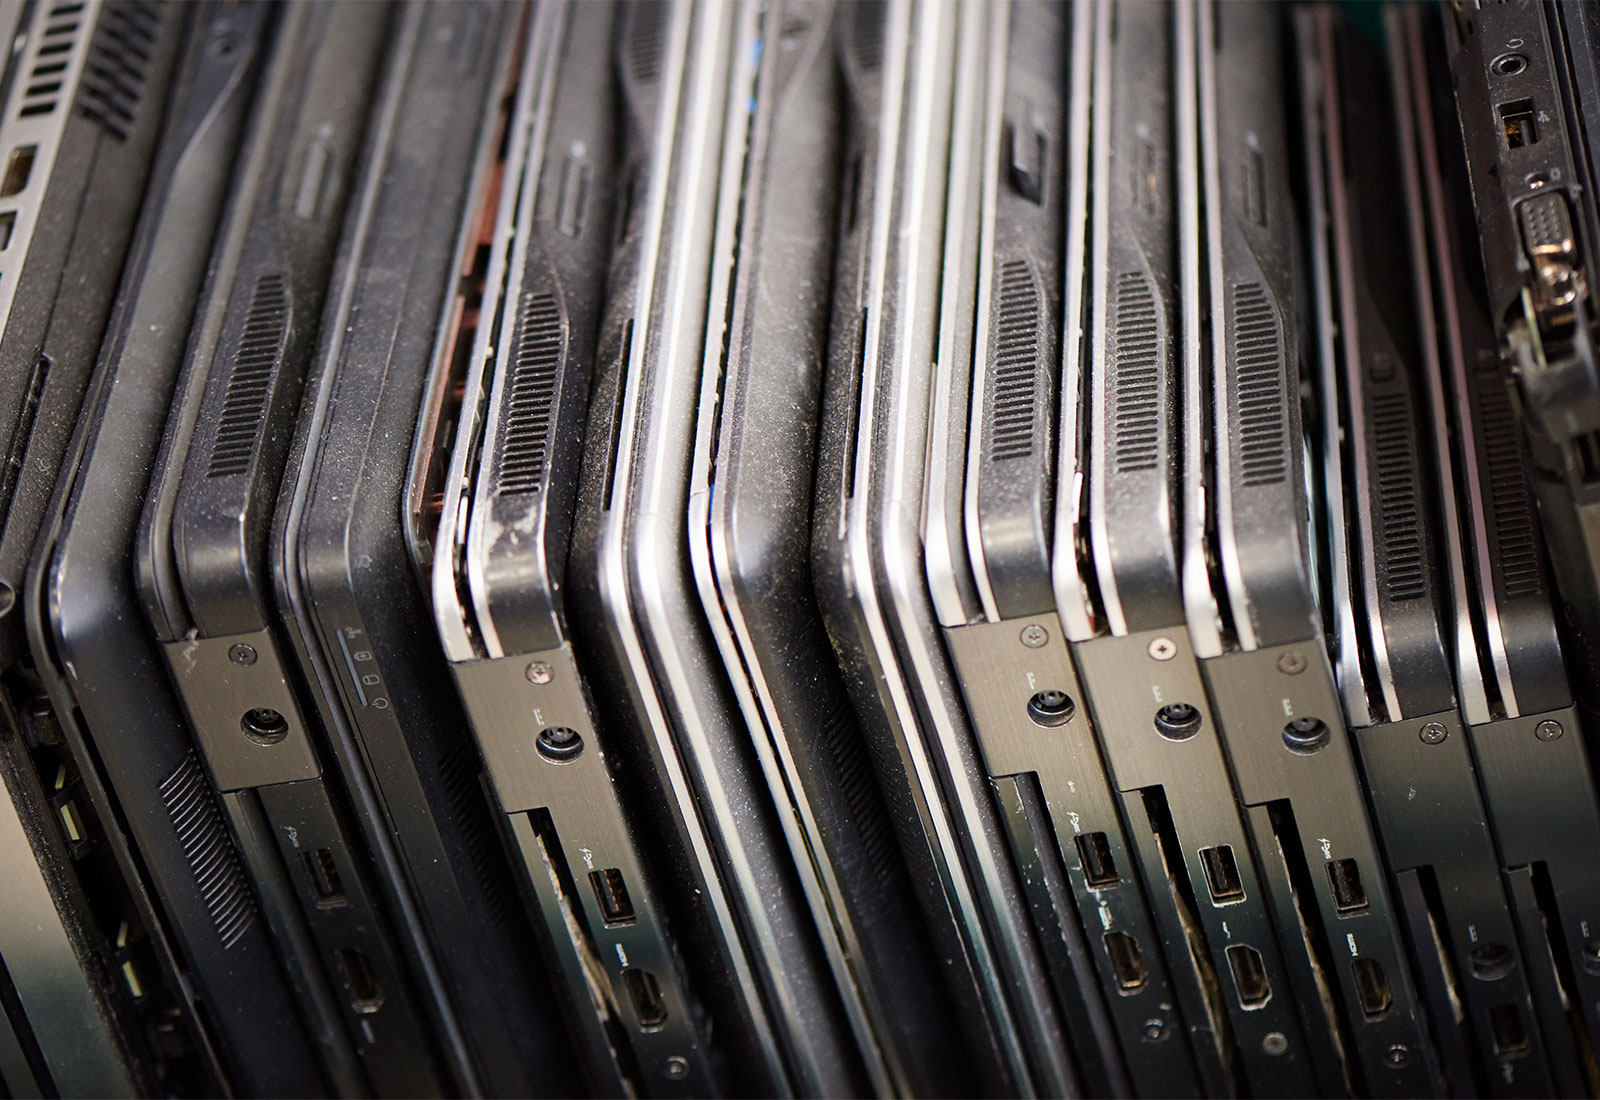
854 778
1014 368
198 823
119 65
1136 379
1399 509
461 785
249 386
42 90
1258 384
647 40
530 397
866 43
1517 543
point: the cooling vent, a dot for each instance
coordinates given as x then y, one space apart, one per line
245 406
1015 366
198 823
1258 378
1516 545
63 28
531 395
119 62
1399 510
853 773
647 41
867 41
459 779
1135 358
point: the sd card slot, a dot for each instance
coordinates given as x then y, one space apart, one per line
1319 955
1163 839
563 891
1055 919
1576 976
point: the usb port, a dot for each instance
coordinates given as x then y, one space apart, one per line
648 1003
1348 893
1222 874
1249 976
611 891
327 887
1510 1037
1126 961
1094 855
1372 987
1516 120
366 993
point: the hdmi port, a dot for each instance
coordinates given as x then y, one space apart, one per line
366 993
1372 987
1249 976
645 993
1126 961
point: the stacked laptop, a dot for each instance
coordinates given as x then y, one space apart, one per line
799 547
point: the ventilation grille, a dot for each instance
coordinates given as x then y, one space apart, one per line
198 823
530 396
459 779
1136 421
866 43
119 64
1015 368
1516 543
875 839
245 406
647 40
63 28
1258 377
1399 511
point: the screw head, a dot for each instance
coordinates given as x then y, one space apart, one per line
1548 730
1163 649
1397 1055
1275 1043
1155 1030
1433 733
677 1067
1034 636
540 673
1292 664
242 654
